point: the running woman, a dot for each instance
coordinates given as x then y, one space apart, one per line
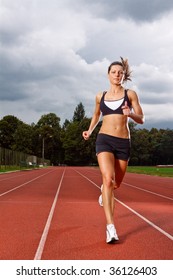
117 105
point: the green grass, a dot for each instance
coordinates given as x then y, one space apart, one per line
151 170
4 169
8 168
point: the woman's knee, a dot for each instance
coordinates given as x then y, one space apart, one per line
108 181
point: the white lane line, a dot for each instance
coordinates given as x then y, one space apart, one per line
11 190
16 176
47 226
146 220
133 211
9 178
148 191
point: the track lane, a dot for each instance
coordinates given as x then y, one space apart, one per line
158 217
78 227
159 185
12 182
158 206
76 222
24 212
154 208
41 245
135 197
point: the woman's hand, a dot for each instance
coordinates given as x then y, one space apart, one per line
86 135
126 109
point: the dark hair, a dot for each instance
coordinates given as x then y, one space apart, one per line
114 63
125 66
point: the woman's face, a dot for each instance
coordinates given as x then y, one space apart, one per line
116 74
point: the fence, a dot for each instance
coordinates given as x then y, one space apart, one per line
9 158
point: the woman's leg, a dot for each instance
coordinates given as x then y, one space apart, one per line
113 171
106 162
120 170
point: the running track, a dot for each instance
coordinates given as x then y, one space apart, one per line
53 214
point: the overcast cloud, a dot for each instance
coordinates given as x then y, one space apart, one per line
54 54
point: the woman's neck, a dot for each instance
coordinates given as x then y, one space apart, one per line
116 89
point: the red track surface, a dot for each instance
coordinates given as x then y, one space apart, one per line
53 214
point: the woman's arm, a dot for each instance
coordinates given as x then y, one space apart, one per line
95 118
137 114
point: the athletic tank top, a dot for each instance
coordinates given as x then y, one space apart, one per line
109 107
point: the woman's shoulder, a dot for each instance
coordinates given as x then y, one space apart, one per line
100 93
99 96
131 93
132 96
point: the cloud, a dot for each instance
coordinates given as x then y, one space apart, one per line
155 83
136 10
55 54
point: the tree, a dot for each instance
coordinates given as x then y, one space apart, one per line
48 131
23 138
140 147
77 151
8 126
154 140
66 145
51 120
166 144
70 141
79 113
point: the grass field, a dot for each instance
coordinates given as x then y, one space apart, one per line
10 168
152 170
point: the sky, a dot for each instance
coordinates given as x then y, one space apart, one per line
55 54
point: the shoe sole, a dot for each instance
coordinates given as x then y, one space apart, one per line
113 240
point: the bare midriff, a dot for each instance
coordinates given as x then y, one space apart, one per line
115 125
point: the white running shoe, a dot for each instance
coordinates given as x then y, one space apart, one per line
111 234
100 200
100 197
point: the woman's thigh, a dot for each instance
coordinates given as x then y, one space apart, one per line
106 161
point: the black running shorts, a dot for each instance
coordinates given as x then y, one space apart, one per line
120 147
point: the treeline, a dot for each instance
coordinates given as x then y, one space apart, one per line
64 144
